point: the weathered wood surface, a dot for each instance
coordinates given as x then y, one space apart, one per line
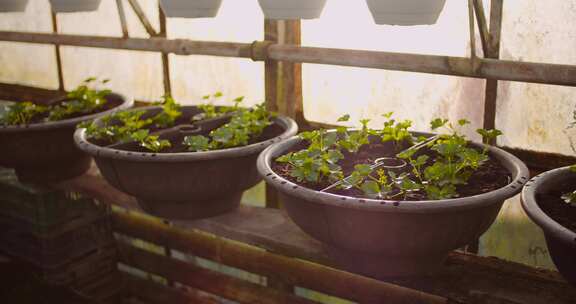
467 278
558 74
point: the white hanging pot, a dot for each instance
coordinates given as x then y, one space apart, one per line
190 8
292 9
13 5
72 6
405 12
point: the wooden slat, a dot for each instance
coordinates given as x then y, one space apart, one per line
557 74
269 230
482 26
142 17
122 17
493 51
204 279
57 53
155 293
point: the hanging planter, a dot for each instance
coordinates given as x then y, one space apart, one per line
72 6
383 220
190 9
292 9
13 5
37 140
405 12
542 200
195 165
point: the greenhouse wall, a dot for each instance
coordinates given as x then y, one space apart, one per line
532 116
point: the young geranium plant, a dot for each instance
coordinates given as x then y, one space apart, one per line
83 100
434 170
243 125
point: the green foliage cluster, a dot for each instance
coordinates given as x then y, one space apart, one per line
437 177
245 124
21 113
570 197
126 126
80 101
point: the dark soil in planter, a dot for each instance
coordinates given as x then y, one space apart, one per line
553 205
490 176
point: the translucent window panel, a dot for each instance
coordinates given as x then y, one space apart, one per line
196 76
535 116
23 63
135 74
332 91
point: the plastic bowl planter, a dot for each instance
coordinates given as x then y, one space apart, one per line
560 240
46 151
292 9
13 5
405 12
185 185
190 9
73 6
381 238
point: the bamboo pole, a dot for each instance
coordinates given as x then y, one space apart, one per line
122 16
58 54
142 17
491 91
482 26
546 73
204 279
294 271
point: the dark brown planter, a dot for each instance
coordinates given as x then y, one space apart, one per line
560 240
185 185
46 151
381 238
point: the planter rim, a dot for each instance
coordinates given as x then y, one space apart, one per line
518 169
71 122
536 214
289 125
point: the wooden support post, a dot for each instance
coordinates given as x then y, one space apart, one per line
290 100
271 34
491 93
58 55
122 16
165 58
155 293
142 17
482 26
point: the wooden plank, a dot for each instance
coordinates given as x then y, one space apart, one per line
294 271
142 17
165 59
16 92
493 51
156 293
122 16
270 230
556 74
482 26
290 101
204 279
59 69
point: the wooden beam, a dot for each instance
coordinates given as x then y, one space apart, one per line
142 17
268 229
203 279
482 26
297 272
491 91
156 293
58 54
165 58
556 74
290 82
122 16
